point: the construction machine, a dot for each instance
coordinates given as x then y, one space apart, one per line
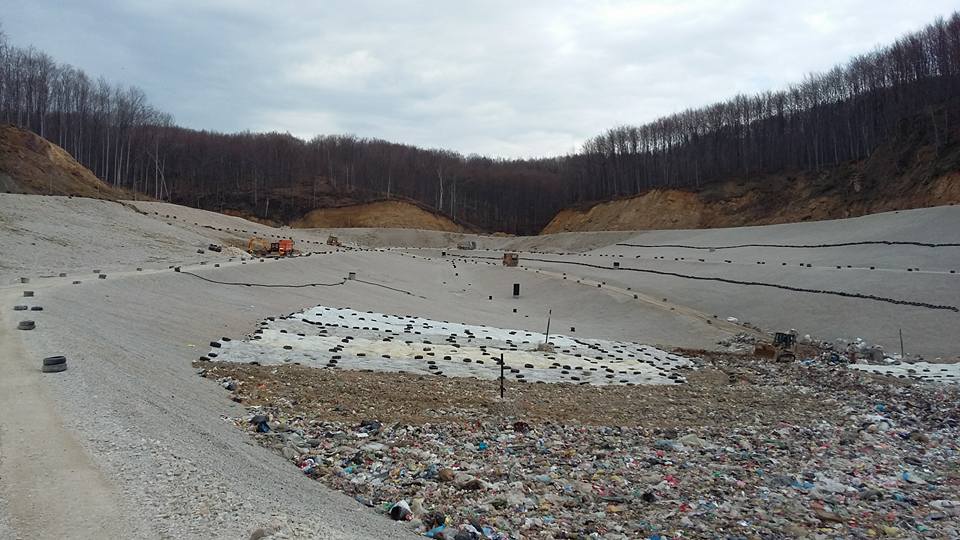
786 346
261 247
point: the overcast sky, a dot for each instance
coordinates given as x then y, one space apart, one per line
510 79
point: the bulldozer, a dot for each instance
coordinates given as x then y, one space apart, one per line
261 247
786 345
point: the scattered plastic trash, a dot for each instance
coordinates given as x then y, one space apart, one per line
400 511
876 460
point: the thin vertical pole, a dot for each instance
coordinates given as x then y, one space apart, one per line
901 344
501 375
549 313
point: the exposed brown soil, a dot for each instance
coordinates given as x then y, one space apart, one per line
730 387
736 205
33 165
904 174
320 204
385 214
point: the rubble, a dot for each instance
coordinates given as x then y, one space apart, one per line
739 343
764 451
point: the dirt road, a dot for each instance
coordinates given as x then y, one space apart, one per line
51 487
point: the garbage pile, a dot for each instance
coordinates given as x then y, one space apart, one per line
879 460
860 351
739 343
844 351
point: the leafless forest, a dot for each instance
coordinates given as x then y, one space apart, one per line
909 88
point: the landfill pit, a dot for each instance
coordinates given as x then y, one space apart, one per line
343 338
748 448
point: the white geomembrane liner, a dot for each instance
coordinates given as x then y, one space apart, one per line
344 338
921 371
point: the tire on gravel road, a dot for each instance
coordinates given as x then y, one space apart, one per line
54 360
54 369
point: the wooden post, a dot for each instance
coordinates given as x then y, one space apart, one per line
549 313
501 375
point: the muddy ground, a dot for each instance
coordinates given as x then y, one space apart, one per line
727 389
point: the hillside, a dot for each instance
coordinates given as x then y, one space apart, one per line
30 164
381 214
33 165
737 205
907 172
786 143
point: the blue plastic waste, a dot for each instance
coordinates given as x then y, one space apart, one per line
432 533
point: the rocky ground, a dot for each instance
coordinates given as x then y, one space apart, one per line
747 449
130 438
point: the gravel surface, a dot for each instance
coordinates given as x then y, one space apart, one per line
157 430
6 531
387 237
42 465
161 436
44 235
909 273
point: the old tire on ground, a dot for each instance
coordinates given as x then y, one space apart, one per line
54 360
54 369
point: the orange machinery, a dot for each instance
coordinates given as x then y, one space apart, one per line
262 247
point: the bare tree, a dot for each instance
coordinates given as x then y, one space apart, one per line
826 119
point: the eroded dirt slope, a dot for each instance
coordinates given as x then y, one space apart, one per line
735 205
909 172
382 214
33 165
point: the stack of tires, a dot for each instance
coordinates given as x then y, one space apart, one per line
54 364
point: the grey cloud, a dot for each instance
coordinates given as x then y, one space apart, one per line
499 78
